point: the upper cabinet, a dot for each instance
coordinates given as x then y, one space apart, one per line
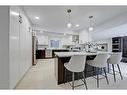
68 40
42 40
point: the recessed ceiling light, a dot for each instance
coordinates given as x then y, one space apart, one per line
77 25
37 17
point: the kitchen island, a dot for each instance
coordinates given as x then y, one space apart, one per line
63 57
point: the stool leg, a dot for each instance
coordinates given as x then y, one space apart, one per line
65 77
97 71
108 67
114 72
84 80
73 80
85 70
106 76
120 71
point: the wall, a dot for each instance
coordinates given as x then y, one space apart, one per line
110 33
20 46
55 38
84 36
108 41
45 40
4 47
114 27
42 39
67 40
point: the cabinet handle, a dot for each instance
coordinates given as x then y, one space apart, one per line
20 19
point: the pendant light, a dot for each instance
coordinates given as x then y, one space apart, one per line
90 21
69 24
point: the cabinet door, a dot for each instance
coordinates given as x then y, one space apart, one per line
125 46
14 46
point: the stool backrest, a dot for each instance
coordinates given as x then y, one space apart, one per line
77 63
101 59
115 58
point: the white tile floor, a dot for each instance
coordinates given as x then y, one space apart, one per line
42 76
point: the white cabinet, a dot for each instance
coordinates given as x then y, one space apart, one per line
42 40
67 40
20 45
48 53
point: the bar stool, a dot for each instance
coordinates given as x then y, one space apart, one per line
115 59
76 64
99 62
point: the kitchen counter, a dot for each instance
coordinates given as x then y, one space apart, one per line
68 54
52 49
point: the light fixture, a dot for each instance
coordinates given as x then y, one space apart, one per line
90 21
69 24
90 28
37 17
14 13
77 25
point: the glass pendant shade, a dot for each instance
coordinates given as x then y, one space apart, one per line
69 25
90 28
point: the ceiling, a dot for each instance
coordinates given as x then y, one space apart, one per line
55 18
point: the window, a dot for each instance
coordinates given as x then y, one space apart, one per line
54 43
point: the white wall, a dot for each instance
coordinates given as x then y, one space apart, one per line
42 40
84 36
55 38
20 46
115 27
67 40
45 39
103 41
110 33
4 47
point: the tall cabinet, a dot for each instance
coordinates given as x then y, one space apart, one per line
20 45
124 59
119 44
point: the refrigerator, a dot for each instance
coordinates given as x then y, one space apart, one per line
34 48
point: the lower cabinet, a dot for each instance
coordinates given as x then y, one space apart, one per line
40 54
47 53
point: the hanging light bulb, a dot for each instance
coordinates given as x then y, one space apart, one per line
90 28
69 25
